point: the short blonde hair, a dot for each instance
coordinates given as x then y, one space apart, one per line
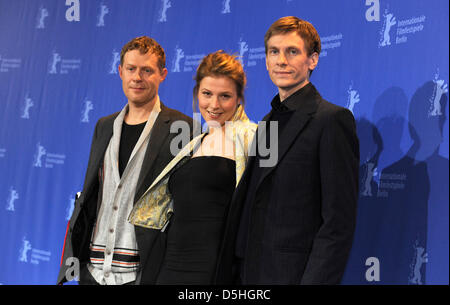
303 28
145 44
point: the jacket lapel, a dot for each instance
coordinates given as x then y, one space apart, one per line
105 133
158 135
294 126
251 156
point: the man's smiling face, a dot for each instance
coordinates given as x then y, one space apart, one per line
288 63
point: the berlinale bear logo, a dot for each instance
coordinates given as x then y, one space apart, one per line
13 196
101 16
163 13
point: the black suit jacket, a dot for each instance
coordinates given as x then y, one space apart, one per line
80 226
302 218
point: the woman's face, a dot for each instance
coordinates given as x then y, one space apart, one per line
217 99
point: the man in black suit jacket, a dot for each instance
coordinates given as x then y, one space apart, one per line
144 121
297 217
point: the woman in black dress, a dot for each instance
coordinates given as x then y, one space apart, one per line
201 179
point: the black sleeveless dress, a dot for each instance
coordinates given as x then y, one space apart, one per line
201 189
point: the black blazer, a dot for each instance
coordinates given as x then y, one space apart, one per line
80 226
302 219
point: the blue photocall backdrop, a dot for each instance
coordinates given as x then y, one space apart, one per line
385 60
